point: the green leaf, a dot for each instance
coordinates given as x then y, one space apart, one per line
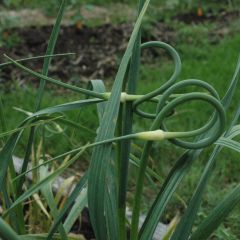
50 50
216 217
48 195
66 107
46 64
98 86
232 87
43 182
55 82
6 232
75 213
111 200
36 58
226 142
235 131
168 189
75 193
55 237
4 134
101 155
6 152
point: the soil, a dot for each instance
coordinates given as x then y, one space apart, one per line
97 49
83 226
221 16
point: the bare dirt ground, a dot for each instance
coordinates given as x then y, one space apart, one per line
97 48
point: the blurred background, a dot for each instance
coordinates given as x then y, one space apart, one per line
205 33
98 31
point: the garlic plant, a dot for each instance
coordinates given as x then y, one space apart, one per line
107 176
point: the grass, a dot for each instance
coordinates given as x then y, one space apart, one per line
213 63
201 60
209 63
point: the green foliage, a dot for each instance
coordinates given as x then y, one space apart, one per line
196 35
112 152
7 39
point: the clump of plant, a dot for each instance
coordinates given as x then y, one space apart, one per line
104 184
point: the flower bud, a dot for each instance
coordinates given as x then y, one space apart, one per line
156 135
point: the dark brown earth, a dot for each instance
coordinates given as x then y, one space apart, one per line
97 49
84 227
221 16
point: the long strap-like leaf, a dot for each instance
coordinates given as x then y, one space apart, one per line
75 193
46 64
49 51
6 232
101 154
217 216
126 124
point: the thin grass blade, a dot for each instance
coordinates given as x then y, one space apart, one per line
54 81
2 65
49 51
46 64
